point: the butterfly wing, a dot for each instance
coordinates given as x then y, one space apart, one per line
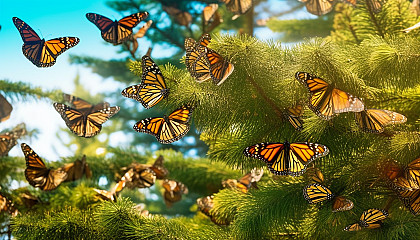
238 6
316 193
341 203
301 154
319 7
73 118
76 102
160 170
142 31
8 140
411 200
205 204
372 218
209 11
152 88
374 120
353 227
326 101
294 116
37 174
146 179
95 120
196 61
220 69
5 109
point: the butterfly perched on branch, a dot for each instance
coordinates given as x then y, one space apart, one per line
5 109
374 120
152 88
116 32
40 52
9 139
167 129
246 182
160 170
287 158
326 100
371 218
77 169
173 191
317 193
112 195
83 118
37 174
143 176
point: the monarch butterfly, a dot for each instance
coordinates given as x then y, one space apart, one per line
6 205
195 58
167 129
205 204
140 208
316 193
116 32
37 174
287 158
407 178
411 199
371 218
374 120
316 175
5 109
325 100
84 119
8 139
143 176
238 6
209 11
247 181
40 52
294 114
142 31
318 7
173 191
112 195
152 88
180 17
220 69
77 169
160 170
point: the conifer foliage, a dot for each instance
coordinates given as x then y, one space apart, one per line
366 56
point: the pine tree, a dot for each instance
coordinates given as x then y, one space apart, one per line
373 61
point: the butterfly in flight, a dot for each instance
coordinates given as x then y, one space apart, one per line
8 139
152 88
77 169
37 174
325 100
167 129
374 120
116 32
82 118
160 170
5 109
179 16
404 178
371 218
40 52
173 191
238 6
316 193
286 158
318 7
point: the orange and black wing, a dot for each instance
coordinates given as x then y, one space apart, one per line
411 200
294 116
319 7
8 139
37 174
196 61
152 89
238 6
287 159
209 11
160 170
326 101
316 193
167 129
95 120
74 119
116 32
77 102
40 52
142 31
341 203
220 69
374 120
5 109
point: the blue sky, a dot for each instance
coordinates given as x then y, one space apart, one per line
58 19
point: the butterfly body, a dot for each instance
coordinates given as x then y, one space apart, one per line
325 100
152 88
37 174
116 32
287 158
167 129
40 52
